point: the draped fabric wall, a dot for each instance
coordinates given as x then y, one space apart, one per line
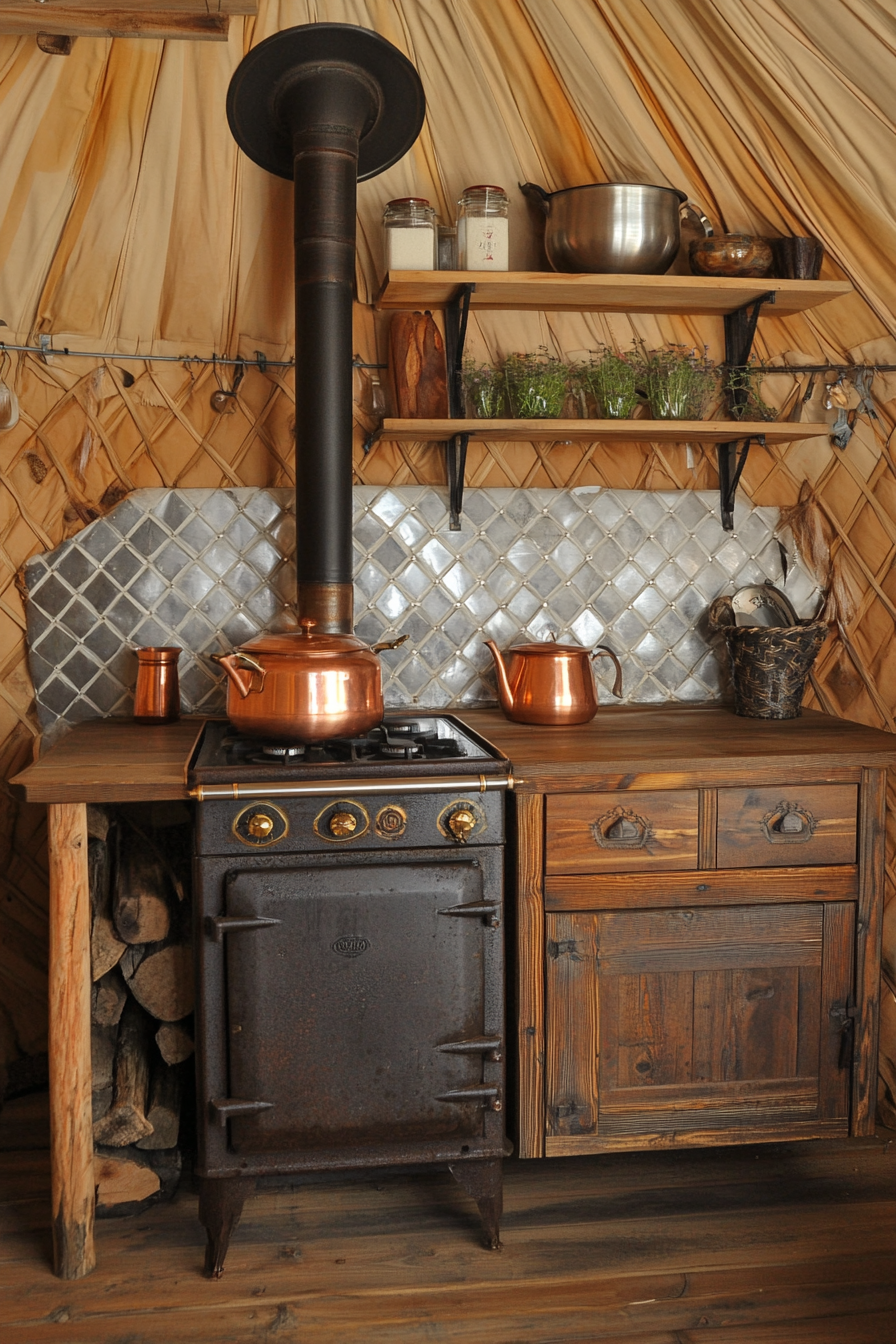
130 222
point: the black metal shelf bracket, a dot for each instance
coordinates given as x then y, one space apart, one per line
456 460
457 311
731 466
740 330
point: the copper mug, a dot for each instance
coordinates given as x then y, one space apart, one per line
157 696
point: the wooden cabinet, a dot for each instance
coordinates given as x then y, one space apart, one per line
711 1020
698 924
700 1023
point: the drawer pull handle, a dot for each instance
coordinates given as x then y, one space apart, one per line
788 824
621 829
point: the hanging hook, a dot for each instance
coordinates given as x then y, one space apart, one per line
225 402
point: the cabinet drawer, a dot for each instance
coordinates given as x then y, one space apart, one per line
787 826
621 832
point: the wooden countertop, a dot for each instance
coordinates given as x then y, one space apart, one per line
113 761
117 760
686 744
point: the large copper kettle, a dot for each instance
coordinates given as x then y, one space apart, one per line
303 687
550 683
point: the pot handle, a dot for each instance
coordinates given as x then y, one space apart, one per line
537 194
389 644
228 662
691 210
603 652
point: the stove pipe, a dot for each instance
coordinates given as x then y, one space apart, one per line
328 105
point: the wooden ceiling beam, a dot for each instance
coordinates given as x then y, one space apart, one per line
149 7
190 19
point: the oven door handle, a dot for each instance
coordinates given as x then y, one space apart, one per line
488 911
233 1108
475 1045
217 925
489 1096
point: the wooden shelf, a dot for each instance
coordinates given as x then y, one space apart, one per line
545 291
607 431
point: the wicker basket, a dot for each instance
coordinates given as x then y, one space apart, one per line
769 665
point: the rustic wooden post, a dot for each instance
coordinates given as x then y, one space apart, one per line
71 1135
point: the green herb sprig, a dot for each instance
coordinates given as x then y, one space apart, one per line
484 388
677 381
537 384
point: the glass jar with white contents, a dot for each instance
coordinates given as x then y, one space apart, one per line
409 235
482 230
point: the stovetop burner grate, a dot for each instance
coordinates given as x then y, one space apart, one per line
399 742
402 742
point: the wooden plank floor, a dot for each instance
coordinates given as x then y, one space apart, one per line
754 1245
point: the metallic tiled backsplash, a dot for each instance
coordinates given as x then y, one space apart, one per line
209 569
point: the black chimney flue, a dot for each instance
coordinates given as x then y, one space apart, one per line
327 105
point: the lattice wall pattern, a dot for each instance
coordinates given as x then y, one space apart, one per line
90 433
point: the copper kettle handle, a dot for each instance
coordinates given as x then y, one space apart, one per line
603 652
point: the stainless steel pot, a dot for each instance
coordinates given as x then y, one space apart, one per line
613 228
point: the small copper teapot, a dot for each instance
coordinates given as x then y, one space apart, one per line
550 683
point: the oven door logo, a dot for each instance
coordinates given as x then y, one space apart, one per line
350 945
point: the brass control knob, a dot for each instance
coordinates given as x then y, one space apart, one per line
461 824
260 825
343 823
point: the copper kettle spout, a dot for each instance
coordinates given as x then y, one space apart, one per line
505 694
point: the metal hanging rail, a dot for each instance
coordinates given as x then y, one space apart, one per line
46 350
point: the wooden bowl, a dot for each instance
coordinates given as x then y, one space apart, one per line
731 254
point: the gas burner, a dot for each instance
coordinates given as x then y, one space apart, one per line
401 744
256 751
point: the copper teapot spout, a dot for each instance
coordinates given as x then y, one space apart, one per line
505 694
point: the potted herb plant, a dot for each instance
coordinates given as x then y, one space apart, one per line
741 385
677 381
536 384
483 389
612 381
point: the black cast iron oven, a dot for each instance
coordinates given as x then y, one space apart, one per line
350 959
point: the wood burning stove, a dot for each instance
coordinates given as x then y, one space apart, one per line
349 933
349 906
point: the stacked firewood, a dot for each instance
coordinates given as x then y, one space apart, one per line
142 999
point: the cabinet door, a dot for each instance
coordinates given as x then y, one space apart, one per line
703 1025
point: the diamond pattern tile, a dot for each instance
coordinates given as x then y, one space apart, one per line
207 568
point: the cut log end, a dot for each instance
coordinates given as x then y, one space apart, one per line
175 1042
123 1180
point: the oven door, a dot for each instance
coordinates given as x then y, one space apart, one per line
364 1012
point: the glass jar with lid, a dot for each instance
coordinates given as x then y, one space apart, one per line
482 229
409 235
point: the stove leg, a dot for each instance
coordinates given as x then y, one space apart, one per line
483 1180
220 1205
